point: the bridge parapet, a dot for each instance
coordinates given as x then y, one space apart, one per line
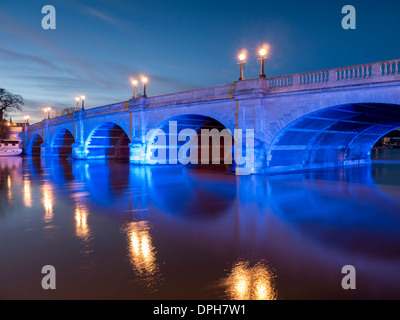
353 75
111 108
197 95
63 118
35 126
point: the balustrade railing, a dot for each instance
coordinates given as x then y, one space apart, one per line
390 68
373 72
121 106
34 126
60 119
212 93
286 81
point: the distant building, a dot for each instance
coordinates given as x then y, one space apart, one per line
15 132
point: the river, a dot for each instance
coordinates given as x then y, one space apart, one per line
118 231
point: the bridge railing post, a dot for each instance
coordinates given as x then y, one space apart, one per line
137 147
45 147
78 147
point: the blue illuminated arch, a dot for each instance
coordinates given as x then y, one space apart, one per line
107 141
335 136
61 143
33 147
196 122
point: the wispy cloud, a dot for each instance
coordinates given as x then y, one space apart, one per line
98 14
71 61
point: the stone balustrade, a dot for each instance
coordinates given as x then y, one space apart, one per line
62 118
116 107
203 94
353 75
35 126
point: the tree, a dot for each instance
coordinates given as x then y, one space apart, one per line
9 102
66 110
4 130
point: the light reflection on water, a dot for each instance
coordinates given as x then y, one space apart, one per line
169 232
27 193
81 221
142 253
47 202
250 283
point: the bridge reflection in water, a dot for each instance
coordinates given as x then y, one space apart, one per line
172 232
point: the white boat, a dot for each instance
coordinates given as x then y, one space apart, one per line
9 148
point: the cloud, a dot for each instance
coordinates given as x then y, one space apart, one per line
98 14
24 32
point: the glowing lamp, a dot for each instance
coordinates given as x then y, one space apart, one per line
134 83
83 102
242 58
144 81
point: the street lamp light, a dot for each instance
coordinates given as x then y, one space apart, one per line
26 118
77 103
242 60
47 113
263 55
83 102
144 81
134 84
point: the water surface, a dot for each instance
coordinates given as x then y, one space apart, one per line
118 231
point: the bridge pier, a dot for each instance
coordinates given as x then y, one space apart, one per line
78 151
137 153
137 147
45 150
250 117
78 147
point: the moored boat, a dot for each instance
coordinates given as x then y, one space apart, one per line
9 148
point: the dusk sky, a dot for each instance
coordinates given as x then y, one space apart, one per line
98 46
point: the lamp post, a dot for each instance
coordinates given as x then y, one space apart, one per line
134 84
242 60
77 103
83 102
144 81
46 113
263 54
26 118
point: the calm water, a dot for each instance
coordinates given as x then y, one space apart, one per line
118 231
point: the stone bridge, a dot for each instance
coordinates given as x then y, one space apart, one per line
301 121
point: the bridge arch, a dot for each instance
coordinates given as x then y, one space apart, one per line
107 141
34 145
195 123
61 143
333 136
